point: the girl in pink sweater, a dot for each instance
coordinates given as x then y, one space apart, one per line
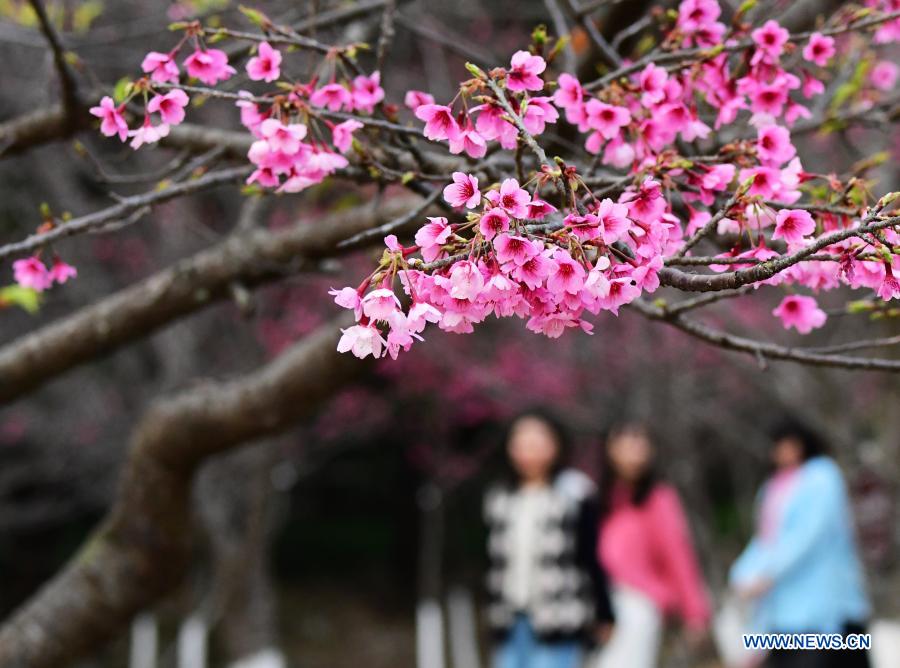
646 549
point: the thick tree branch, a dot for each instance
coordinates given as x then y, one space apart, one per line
250 258
141 549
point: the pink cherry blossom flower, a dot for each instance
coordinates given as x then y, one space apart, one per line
147 133
362 341
367 92
61 272
800 312
419 314
514 249
466 281
209 66
606 118
694 15
416 98
463 191
646 204
432 236
439 121
618 153
890 286
513 199
567 276
113 122
380 304
718 177
342 134
467 139
331 96
770 39
768 99
538 208
653 85
613 219
773 145
170 106
534 270
569 92
585 227
539 112
621 291
524 71
266 65
792 225
766 181
160 66
819 49
493 222
281 137
348 298
884 75
31 273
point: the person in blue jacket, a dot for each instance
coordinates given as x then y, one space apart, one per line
801 570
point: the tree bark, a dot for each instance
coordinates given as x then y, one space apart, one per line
141 549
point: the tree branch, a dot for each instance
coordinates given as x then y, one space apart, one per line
760 349
251 259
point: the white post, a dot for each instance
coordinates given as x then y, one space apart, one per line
429 635
462 628
144 642
192 642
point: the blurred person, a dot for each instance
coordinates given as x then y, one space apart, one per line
548 594
646 549
801 570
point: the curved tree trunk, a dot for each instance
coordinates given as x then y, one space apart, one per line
141 549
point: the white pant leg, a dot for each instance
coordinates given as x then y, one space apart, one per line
637 633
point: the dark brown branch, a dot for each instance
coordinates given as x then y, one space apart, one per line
734 279
141 549
66 75
250 259
122 210
760 349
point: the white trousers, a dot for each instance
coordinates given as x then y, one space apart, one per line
637 633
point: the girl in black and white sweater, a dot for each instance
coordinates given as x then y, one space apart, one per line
549 599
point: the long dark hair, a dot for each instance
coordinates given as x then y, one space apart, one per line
556 427
811 442
643 486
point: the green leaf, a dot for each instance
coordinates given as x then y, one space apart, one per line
255 16
122 90
25 298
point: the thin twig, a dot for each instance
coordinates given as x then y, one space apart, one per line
125 207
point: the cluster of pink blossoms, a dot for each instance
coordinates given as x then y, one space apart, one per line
517 255
280 122
32 273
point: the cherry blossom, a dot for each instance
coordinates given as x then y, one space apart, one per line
792 225
32 273
367 92
524 70
266 65
342 134
209 66
800 312
333 97
463 191
819 49
169 106
113 121
160 66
